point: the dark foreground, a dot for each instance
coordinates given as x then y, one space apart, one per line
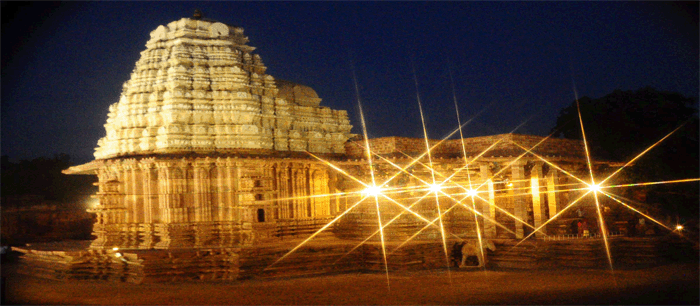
668 284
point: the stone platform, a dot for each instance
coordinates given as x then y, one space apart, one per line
329 255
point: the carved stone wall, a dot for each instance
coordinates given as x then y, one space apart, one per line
199 202
199 88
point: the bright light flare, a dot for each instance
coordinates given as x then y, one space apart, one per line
679 227
435 188
594 187
471 192
372 191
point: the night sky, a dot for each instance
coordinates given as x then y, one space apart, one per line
64 64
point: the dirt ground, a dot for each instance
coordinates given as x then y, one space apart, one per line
669 284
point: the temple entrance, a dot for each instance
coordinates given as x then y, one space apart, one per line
261 215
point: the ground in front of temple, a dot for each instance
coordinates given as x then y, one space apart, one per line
675 283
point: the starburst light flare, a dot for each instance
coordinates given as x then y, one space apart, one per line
435 188
374 183
443 186
432 172
372 191
601 222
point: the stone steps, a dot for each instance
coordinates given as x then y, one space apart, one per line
334 256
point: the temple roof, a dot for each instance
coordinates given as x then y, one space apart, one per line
506 146
199 88
297 93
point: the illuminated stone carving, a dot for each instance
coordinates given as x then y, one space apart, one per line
199 88
204 149
196 202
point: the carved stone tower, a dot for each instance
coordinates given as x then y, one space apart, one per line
201 146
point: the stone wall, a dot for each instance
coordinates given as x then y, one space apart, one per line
195 202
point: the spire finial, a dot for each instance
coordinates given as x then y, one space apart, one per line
197 14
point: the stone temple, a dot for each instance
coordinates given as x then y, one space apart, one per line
206 149
202 142
205 153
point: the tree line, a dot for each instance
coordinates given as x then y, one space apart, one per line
42 176
623 124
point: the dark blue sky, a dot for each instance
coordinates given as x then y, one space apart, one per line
64 64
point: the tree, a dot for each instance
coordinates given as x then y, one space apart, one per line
42 176
622 124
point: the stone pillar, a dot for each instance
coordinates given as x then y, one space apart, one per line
281 191
552 181
150 205
319 186
219 189
205 194
230 183
165 191
490 208
215 191
127 185
289 177
136 194
202 201
197 200
295 194
203 233
333 189
184 194
147 178
227 181
519 197
308 189
236 174
538 205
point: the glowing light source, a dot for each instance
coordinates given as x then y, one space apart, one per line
118 254
372 191
594 190
115 249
